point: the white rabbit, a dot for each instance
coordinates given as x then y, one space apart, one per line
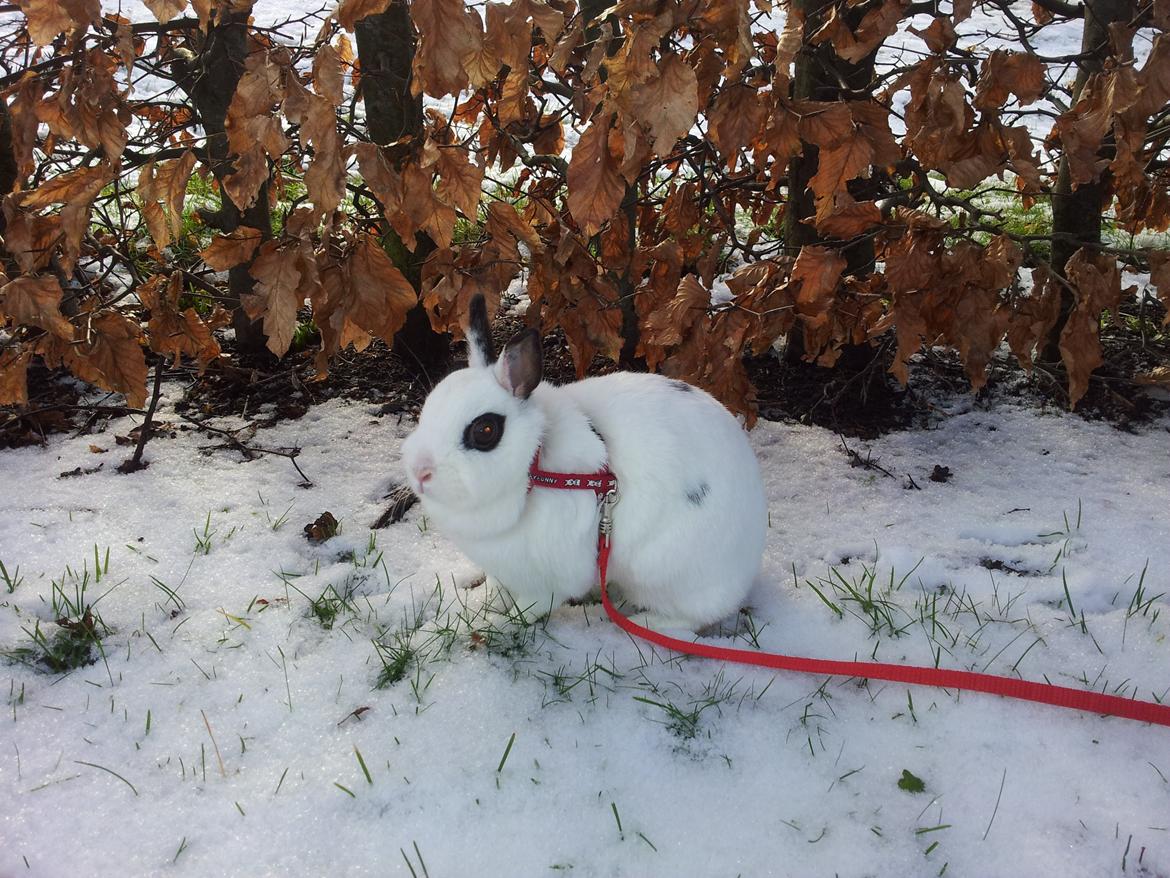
688 530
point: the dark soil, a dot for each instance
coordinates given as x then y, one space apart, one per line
54 399
266 391
862 401
376 375
857 398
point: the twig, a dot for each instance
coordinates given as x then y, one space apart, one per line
116 410
250 450
867 462
144 432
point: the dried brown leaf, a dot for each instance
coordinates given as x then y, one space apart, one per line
350 12
46 20
781 134
23 110
448 299
109 356
460 180
817 271
165 10
379 295
911 261
250 120
823 123
327 76
202 12
165 182
1153 80
874 28
1097 281
276 296
729 23
550 21
503 223
36 301
1007 73
421 210
384 181
668 103
668 325
1033 317
839 165
1160 278
173 333
736 120
14 376
227 251
89 106
325 178
1083 129
29 238
448 36
939 35
251 173
871 121
82 184
592 325
849 218
595 186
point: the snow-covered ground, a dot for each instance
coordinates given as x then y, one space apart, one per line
221 733
230 730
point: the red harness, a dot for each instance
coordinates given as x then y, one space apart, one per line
604 484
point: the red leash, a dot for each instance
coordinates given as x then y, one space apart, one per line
604 484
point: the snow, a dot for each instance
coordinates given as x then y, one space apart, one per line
780 774
755 773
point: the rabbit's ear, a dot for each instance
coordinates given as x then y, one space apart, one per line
521 365
479 335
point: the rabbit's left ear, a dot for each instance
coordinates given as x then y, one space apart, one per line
479 335
521 365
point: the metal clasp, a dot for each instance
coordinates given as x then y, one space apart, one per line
608 501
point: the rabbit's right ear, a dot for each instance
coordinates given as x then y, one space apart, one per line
521 365
479 335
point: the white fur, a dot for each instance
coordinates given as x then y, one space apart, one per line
688 562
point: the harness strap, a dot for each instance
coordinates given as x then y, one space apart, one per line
1008 687
599 482
604 485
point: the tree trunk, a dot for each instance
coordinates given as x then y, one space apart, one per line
1076 213
211 85
819 75
591 14
385 47
8 169
628 358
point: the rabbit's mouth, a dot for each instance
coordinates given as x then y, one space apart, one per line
436 487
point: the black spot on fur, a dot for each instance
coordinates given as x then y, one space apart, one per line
681 385
596 433
696 495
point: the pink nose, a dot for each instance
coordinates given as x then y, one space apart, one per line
422 475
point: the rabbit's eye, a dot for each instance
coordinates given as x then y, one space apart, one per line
484 433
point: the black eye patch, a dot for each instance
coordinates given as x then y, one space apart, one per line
484 433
